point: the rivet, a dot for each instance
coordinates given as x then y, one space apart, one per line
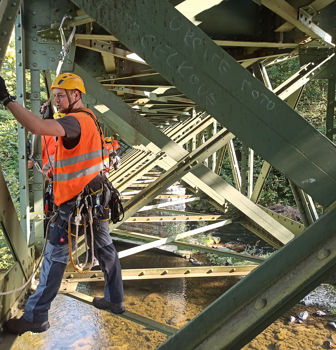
260 303
323 253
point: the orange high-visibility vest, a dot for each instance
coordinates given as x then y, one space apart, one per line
75 168
109 147
115 145
48 146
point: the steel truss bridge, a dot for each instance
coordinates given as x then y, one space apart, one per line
178 81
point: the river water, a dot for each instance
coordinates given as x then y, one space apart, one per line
174 302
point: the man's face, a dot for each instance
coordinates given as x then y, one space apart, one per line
61 99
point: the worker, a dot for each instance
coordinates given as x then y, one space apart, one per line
78 170
112 146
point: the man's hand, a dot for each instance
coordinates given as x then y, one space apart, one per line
3 90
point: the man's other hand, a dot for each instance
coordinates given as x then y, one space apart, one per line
3 90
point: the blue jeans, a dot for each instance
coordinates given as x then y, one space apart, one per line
56 257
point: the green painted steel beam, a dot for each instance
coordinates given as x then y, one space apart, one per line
10 280
12 229
219 190
189 59
22 132
261 180
135 237
267 292
164 273
43 43
144 321
330 117
292 225
8 12
176 237
302 204
136 130
38 183
175 172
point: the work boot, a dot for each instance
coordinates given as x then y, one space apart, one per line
101 303
20 326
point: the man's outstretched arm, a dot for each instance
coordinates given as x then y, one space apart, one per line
27 118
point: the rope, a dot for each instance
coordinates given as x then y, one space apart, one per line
78 266
65 44
37 266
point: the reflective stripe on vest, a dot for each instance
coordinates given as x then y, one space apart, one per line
79 173
80 158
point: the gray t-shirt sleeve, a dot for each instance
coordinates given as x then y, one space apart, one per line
72 130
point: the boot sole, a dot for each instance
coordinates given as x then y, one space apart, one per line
36 330
103 307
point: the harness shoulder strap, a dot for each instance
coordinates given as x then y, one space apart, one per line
98 128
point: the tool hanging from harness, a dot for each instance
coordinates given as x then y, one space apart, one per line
91 204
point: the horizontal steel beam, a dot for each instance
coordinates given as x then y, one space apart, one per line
164 272
178 218
138 238
144 321
176 237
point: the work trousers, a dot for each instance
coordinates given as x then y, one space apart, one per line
56 257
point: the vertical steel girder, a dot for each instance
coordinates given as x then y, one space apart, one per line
8 12
330 118
38 179
22 132
203 71
307 214
268 291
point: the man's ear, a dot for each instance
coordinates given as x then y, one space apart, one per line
78 94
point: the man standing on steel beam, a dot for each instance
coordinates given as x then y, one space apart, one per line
79 184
